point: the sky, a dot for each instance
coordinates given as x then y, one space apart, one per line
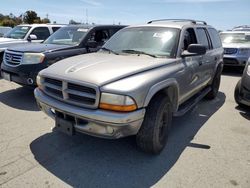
222 14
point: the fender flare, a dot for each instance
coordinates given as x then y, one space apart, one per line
169 83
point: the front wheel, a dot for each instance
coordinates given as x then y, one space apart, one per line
153 134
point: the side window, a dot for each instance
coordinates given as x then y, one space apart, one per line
189 38
42 33
214 35
113 31
202 37
99 36
54 29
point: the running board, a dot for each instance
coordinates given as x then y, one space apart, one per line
186 106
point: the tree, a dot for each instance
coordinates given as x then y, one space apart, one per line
45 20
73 22
8 23
30 17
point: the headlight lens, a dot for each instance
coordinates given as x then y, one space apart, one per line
244 50
248 70
38 81
32 58
120 103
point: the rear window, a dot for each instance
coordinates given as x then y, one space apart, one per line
214 35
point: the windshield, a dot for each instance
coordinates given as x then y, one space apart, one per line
67 36
235 37
18 32
154 41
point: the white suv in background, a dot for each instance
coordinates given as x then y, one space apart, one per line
26 33
236 46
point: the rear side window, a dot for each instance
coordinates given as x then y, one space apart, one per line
202 37
214 35
54 29
42 33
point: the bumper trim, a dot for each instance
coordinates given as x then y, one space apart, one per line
100 123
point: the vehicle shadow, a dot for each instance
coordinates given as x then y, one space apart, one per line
244 111
232 71
20 98
84 161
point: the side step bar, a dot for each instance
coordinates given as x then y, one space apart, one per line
185 107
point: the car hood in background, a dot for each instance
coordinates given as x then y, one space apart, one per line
236 45
39 47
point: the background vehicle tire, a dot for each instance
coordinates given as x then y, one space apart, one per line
153 134
237 93
214 86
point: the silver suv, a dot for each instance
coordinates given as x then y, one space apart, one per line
140 78
236 46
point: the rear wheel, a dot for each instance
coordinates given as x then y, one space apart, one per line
153 134
214 86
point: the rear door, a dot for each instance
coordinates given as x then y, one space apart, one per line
207 61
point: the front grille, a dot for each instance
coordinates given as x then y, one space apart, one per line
230 51
72 93
230 61
13 58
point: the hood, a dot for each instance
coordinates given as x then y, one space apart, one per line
102 68
7 42
39 47
236 45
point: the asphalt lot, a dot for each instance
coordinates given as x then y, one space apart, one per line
208 147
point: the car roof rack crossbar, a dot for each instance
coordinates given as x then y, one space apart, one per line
179 20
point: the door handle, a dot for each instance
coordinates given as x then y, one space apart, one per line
200 63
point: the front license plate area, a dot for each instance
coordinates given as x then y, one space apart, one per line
65 126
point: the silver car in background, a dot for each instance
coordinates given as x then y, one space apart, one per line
236 46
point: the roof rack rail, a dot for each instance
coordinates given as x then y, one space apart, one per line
179 20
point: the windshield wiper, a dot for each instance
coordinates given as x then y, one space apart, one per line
110 51
139 52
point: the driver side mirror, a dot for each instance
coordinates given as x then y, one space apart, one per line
194 50
32 37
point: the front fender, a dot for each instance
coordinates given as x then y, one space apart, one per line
170 86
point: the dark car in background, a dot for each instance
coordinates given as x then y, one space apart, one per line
21 64
242 89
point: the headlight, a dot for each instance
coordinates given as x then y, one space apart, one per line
248 70
38 81
32 58
118 103
244 50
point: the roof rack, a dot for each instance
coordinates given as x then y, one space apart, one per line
179 20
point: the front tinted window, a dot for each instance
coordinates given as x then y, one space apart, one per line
67 36
202 37
157 41
215 37
41 33
18 32
235 38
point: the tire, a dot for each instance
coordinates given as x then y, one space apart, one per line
214 86
153 134
237 94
